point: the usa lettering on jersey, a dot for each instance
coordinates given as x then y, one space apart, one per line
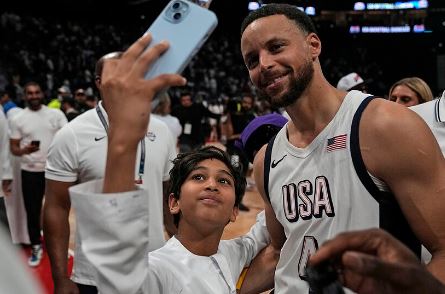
307 200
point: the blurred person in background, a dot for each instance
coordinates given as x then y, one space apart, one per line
162 112
32 131
410 91
193 118
352 81
80 98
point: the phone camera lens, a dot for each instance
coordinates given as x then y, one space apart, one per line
177 15
176 5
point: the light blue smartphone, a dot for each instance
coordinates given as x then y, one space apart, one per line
186 26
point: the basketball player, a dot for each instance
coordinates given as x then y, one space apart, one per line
78 154
332 167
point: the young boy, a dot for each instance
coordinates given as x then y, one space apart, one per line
205 193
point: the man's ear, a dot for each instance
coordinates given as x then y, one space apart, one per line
234 214
315 45
173 204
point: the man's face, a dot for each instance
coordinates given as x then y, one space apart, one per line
278 56
247 103
207 196
186 100
34 96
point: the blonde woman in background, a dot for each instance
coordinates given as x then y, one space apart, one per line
410 91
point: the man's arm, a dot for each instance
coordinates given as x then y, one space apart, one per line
57 231
413 166
17 151
274 227
261 272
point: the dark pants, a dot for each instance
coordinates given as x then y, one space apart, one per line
33 186
86 289
3 216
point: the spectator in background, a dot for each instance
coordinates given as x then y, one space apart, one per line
259 132
32 132
67 107
162 112
352 81
80 98
410 91
3 157
192 117
6 102
62 92
12 181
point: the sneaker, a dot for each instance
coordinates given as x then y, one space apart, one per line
36 255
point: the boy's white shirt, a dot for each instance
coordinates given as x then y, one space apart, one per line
113 228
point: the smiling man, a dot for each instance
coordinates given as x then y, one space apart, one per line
32 131
326 171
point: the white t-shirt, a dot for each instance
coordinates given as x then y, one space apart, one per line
172 122
41 125
78 153
172 268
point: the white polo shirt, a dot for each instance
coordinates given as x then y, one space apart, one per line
78 153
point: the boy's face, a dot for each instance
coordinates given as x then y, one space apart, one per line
207 196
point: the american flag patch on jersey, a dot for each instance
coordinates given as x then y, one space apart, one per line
336 143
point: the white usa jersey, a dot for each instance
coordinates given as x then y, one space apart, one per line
324 189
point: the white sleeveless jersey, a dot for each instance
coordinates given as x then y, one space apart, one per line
323 189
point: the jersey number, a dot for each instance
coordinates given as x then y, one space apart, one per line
310 245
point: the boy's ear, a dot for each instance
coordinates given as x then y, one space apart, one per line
234 214
173 204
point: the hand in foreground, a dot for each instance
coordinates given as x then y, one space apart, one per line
128 94
372 261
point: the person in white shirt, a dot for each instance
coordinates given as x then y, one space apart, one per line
162 112
12 182
4 142
32 131
78 154
204 197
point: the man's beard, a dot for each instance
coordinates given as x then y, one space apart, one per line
34 103
297 85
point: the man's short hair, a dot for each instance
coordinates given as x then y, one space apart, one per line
301 19
100 63
186 162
